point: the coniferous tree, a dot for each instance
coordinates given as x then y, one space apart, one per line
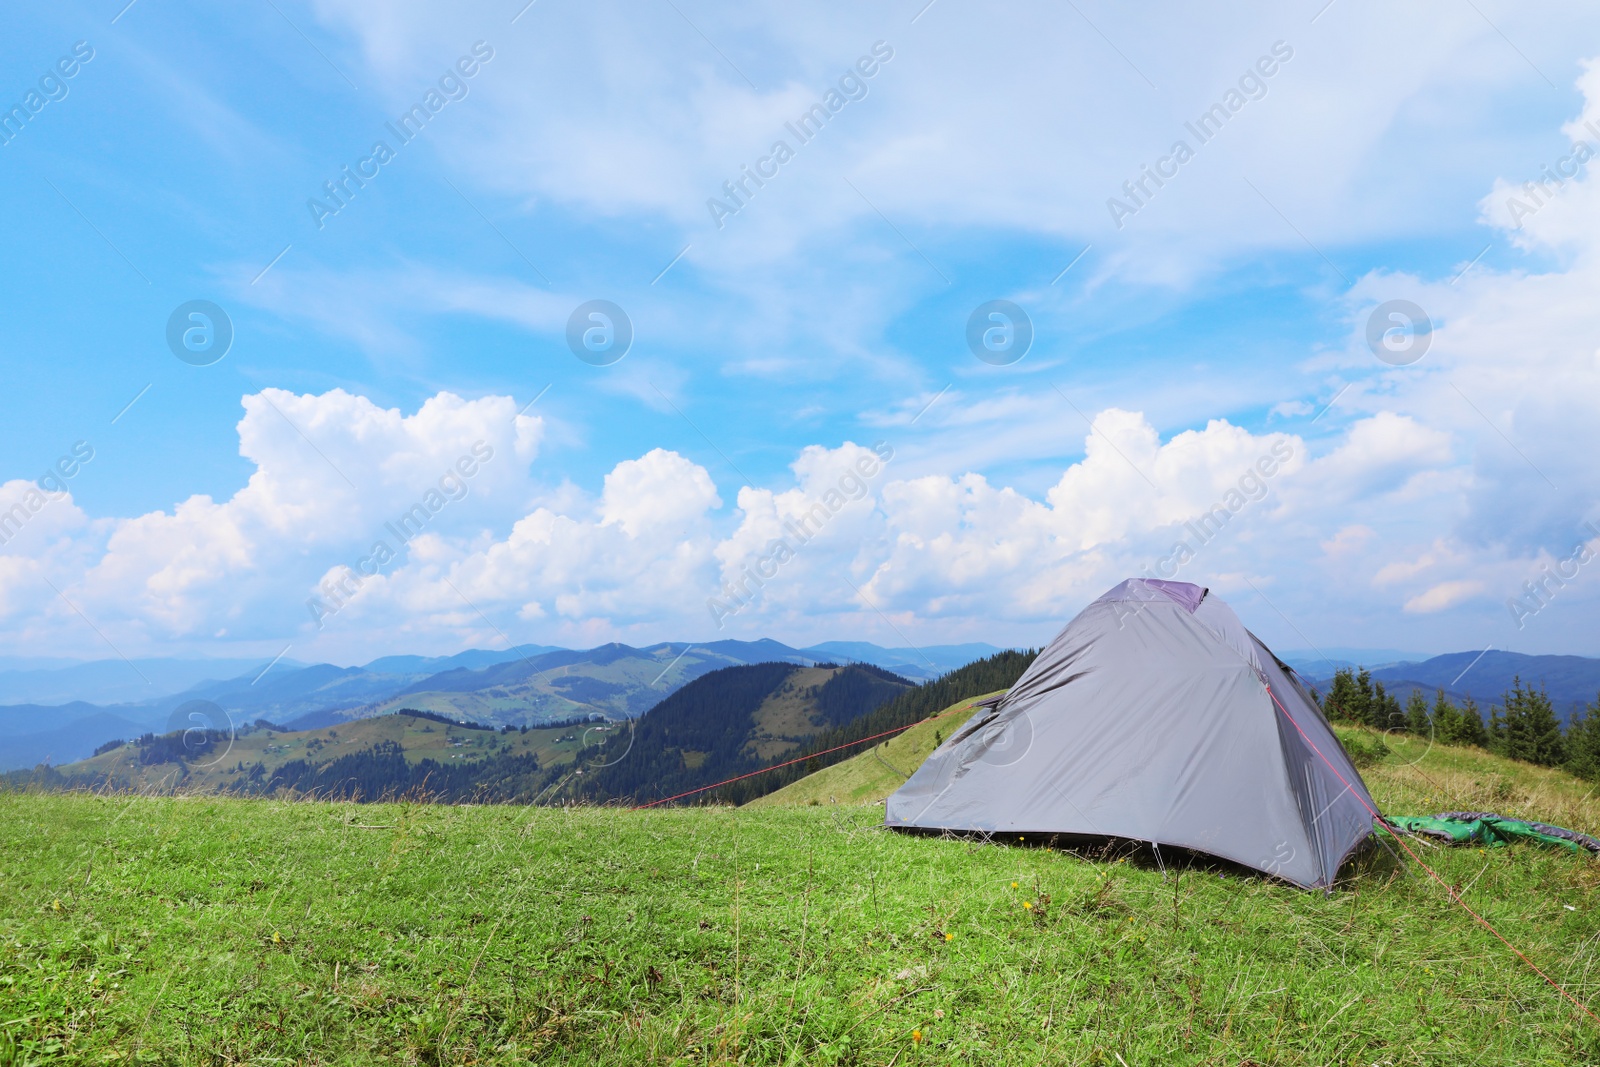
1447 725
1418 721
1387 714
1583 743
1471 730
1343 703
1530 729
1363 700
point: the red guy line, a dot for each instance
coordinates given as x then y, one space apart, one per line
775 766
1448 888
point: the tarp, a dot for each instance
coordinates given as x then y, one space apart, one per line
1152 717
1487 828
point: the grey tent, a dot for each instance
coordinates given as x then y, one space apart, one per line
1154 716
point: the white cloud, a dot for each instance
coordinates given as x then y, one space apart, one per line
1442 596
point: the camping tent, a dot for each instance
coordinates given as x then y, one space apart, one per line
1154 716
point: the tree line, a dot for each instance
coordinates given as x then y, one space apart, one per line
1523 725
998 672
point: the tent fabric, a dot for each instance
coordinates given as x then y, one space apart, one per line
1487 828
1151 717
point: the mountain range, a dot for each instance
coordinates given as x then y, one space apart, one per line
1573 682
729 720
59 713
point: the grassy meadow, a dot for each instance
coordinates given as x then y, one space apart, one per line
226 931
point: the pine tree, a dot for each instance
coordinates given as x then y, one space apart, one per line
1363 698
1418 721
1471 730
1343 702
1495 732
1530 728
1447 725
1387 714
1583 743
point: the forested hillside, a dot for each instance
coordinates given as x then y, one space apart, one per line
726 723
997 672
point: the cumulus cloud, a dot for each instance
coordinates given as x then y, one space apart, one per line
1432 489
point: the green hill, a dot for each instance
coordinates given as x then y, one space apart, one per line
997 672
414 754
221 930
725 722
869 777
729 722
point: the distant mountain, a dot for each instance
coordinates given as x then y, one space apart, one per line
727 722
920 664
404 754
732 717
615 681
524 686
1323 662
33 733
114 681
74 740
472 659
1571 681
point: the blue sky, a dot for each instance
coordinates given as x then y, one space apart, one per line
826 315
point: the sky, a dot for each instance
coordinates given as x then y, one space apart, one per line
336 329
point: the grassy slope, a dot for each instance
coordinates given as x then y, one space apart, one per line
421 739
213 931
872 775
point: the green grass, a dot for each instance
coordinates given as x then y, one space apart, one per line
872 775
220 931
